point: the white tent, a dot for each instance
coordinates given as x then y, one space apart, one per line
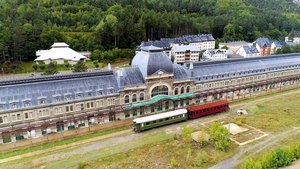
59 52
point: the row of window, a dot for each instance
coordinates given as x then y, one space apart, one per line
56 99
182 91
56 110
243 80
234 74
134 98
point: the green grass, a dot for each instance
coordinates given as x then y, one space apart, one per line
153 155
58 143
110 151
26 67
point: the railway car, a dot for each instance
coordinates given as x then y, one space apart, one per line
152 121
192 112
197 111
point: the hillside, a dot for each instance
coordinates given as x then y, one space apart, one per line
29 25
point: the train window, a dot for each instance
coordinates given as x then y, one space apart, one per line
154 121
147 123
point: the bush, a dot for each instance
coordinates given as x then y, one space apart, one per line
275 159
201 159
82 165
186 133
174 162
219 136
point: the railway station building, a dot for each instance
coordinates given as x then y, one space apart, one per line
37 106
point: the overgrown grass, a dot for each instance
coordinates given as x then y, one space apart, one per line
171 153
275 115
58 143
109 153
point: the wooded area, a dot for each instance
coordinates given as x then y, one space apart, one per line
30 25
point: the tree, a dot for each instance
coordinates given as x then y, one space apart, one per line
96 64
42 65
51 68
80 66
35 66
67 64
219 136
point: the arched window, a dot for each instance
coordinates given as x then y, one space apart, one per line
182 90
159 90
141 96
188 89
134 98
126 99
176 91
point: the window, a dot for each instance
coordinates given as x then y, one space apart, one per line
26 103
127 115
159 90
1 107
100 92
89 94
13 105
188 89
176 91
134 98
57 99
67 109
87 105
134 113
141 96
18 116
126 99
111 91
1 119
43 101
71 108
26 115
92 104
182 90
13 117
68 97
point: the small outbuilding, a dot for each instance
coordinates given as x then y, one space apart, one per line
59 52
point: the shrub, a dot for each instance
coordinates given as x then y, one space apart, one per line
201 159
174 162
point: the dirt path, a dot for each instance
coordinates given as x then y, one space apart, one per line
250 151
295 165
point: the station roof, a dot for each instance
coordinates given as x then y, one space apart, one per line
159 98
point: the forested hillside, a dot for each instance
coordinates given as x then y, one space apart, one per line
29 25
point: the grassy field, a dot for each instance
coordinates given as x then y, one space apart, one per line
152 151
58 143
26 67
273 115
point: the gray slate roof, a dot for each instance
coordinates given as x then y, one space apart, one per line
152 59
250 49
203 71
130 76
263 42
58 89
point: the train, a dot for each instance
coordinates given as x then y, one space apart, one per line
175 116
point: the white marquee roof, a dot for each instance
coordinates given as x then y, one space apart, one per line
60 50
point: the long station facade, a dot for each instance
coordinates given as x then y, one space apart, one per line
37 106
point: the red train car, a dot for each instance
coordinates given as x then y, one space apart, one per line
207 109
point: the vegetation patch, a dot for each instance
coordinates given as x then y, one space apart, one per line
58 143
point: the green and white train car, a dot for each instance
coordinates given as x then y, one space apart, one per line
152 121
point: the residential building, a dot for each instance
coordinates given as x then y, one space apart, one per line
203 41
263 46
276 45
59 52
248 51
185 54
293 37
233 46
38 106
216 54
